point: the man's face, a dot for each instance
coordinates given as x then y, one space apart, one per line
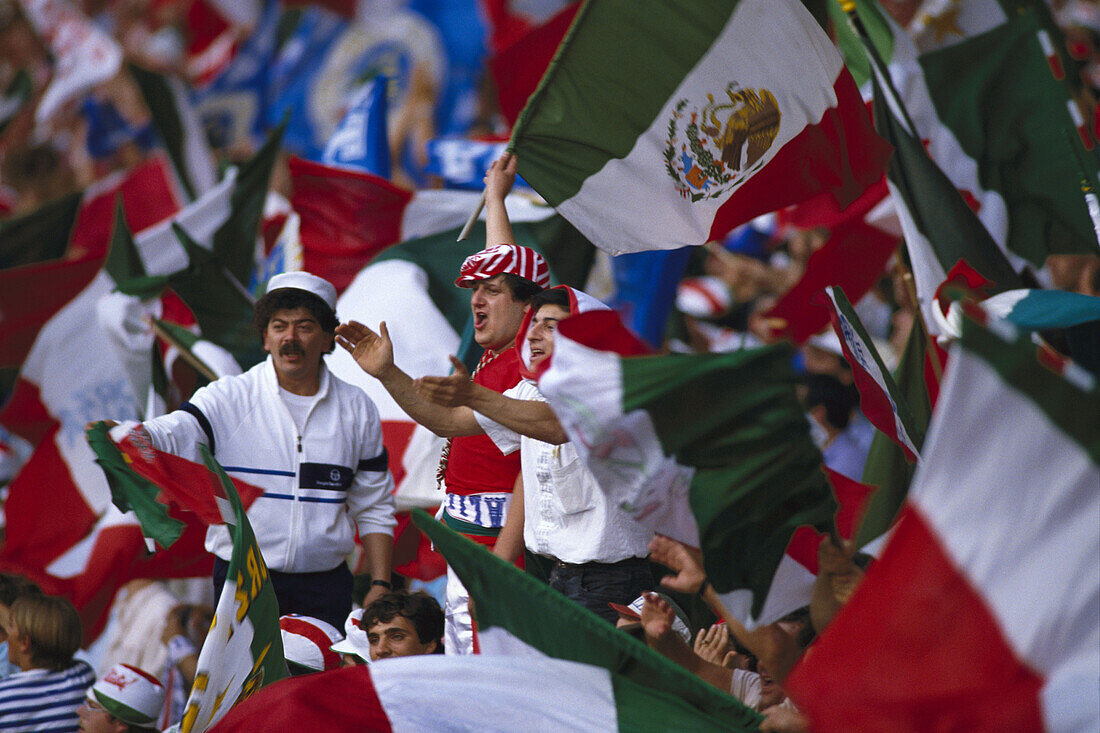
396 638
95 719
540 335
497 315
296 342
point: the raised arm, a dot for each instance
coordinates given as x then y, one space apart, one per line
532 418
498 182
373 352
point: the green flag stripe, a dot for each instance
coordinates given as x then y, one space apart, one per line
162 106
855 58
937 208
736 419
667 41
642 708
1009 114
1072 411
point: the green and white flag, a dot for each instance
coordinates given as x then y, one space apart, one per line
665 124
713 450
520 616
983 89
244 649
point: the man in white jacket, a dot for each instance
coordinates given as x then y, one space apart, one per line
310 440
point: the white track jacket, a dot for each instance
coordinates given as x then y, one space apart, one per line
318 486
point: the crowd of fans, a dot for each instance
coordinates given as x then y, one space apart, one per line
542 508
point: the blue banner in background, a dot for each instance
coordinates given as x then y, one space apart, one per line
360 141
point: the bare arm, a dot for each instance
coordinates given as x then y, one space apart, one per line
509 544
837 578
657 617
498 182
532 418
379 549
373 352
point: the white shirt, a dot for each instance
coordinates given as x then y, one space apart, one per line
565 513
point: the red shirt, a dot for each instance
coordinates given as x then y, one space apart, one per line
476 465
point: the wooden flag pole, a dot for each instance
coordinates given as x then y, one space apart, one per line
473 217
911 288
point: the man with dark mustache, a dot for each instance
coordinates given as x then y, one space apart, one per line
310 440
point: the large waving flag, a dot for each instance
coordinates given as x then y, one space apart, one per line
983 612
983 84
244 649
420 693
879 396
663 125
519 616
722 432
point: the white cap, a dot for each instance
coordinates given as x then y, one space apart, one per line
318 286
355 637
130 694
307 642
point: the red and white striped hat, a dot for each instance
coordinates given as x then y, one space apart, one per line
514 258
307 642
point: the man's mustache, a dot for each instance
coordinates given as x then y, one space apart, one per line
291 349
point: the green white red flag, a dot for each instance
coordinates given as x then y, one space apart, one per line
713 450
983 612
518 616
435 692
879 397
665 124
244 649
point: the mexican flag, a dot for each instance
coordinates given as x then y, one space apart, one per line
428 317
984 85
983 612
244 649
941 231
467 693
879 396
665 124
723 433
519 616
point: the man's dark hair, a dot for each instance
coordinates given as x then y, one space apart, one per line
419 608
522 288
550 296
839 400
289 299
13 586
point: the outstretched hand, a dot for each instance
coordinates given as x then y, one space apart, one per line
453 390
685 562
657 616
373 352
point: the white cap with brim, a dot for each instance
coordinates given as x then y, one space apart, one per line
355 637
318 286
130 694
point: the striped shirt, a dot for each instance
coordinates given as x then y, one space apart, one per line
41 700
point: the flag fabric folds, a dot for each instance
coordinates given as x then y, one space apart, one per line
880 398
424 693
667 124
519 616
983 611
723 431
244 649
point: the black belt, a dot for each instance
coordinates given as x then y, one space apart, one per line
594 564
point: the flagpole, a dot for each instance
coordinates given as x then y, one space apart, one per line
911 288
473 217
190 358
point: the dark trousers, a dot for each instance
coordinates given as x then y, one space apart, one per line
595 584
325 595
